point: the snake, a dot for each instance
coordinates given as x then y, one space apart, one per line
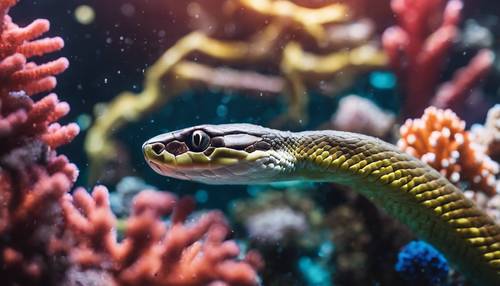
407 188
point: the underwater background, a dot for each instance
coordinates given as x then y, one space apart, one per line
371 67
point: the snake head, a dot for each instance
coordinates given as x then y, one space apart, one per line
218 154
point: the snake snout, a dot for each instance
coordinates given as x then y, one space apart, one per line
157 147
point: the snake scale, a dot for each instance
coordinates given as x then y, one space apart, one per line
404 186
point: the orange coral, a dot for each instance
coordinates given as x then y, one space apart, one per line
439 138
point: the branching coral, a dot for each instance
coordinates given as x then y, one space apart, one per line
32 176
439 138
151 253
346 52
453 93
418 47
310 19
40 246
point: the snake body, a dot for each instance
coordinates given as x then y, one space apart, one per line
404 186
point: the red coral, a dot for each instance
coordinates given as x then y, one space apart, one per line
34 186
152 253
417 49
452 94
32 177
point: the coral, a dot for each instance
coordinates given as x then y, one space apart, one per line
439 138
491 205
344 50
453 93
276 225
365 238
51 237
151 253
476 35
351 238
418 47
310 19
358 114
282 226
421 264
279 217
32 176
126 189
91 277
488 134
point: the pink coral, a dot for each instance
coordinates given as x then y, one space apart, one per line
152 253
417 49
50 237
451 94
358 114
32 176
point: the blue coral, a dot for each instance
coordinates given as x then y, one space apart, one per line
421 263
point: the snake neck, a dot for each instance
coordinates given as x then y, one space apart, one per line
409 190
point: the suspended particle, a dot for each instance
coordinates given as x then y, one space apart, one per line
84 14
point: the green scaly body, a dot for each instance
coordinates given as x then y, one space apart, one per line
409 190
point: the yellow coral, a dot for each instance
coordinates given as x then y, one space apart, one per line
309 18
297 66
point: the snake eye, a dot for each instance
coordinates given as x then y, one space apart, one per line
199 141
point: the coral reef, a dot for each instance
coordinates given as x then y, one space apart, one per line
421 264
439 138
488 134
341 49
283 217
366 239
32 176
121 199
417 49
310 19
308 234
282 225
351 238
51 237
453 94
491 205
276 225
151 253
